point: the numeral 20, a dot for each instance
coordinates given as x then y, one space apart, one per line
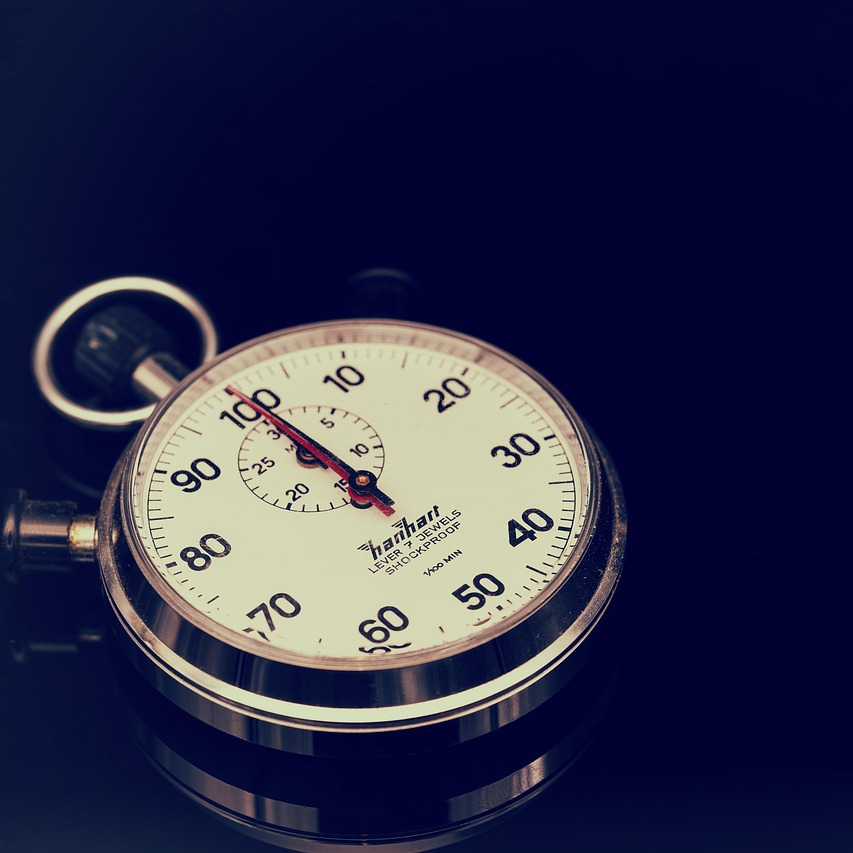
452 386
297 491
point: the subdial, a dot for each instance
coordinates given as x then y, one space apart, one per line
287 476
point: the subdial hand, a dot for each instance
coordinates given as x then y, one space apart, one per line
361 485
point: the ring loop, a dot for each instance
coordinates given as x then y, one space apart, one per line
42 359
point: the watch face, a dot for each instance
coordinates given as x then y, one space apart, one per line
360 492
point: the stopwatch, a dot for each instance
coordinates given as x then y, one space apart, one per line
349 560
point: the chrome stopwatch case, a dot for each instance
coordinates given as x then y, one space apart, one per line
365 552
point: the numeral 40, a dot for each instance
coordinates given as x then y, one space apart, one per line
532 521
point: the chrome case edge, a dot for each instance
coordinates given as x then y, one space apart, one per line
600 565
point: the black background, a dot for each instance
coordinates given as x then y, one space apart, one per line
650 206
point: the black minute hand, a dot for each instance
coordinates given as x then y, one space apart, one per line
361 485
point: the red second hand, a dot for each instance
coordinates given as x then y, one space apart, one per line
379 499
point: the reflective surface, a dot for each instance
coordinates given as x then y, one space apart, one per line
681 177
408 796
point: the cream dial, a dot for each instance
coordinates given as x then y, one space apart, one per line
483 466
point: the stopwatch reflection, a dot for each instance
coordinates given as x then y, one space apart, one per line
404 799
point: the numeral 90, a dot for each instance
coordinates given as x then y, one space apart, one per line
200 469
